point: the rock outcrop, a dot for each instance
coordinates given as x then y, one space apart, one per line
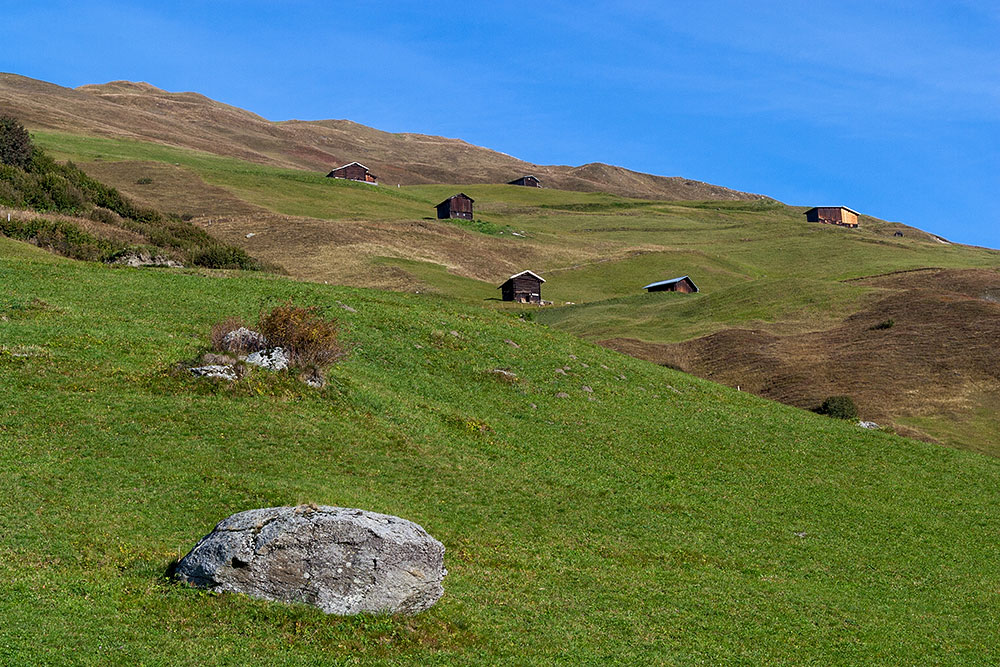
344 561
274 359
219 371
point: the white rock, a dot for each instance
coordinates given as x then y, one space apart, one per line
216 371
244 339
274 359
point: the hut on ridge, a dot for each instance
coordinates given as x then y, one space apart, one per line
682 284
456 206
524 287
355 171
527 181
833 215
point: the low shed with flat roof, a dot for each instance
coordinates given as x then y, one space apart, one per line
833 215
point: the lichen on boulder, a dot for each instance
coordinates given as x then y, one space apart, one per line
344 561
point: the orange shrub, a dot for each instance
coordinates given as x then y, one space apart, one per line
308 339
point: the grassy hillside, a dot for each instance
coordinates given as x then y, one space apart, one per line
655 519
759 264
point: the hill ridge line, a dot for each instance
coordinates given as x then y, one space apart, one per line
142 111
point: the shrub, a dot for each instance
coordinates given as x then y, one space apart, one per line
223 257
839 407
219 332
15 143
145 180
42 184
106 216
887 324
308 339
65 238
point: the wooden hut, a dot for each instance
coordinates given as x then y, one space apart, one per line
354 171
682 284
527 181
456 206
833 215
524 287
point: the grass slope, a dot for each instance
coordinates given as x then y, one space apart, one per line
759 264
668 520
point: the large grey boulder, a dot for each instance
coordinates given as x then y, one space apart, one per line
344 561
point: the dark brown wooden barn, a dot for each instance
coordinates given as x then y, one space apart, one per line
833 215
682 284
354 171
524 287
456 206
528 181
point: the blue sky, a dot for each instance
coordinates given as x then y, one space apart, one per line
891 108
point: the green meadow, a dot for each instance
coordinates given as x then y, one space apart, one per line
646 517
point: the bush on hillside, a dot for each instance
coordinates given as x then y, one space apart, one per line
105 216
307 338
31 179
839 407
15 143
224 257
64 238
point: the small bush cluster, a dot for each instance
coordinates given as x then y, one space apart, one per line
839 407
30 179
66 239
224 257
887 324
307 338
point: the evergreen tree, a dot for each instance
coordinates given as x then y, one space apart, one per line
15 143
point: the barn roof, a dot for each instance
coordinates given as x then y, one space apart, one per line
460 194
350 164
670 282
518 275
843 207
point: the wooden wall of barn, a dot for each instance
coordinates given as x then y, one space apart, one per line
456 207
353 172
528 287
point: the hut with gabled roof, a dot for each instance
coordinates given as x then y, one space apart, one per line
524 287
354 171
456 206
527 181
